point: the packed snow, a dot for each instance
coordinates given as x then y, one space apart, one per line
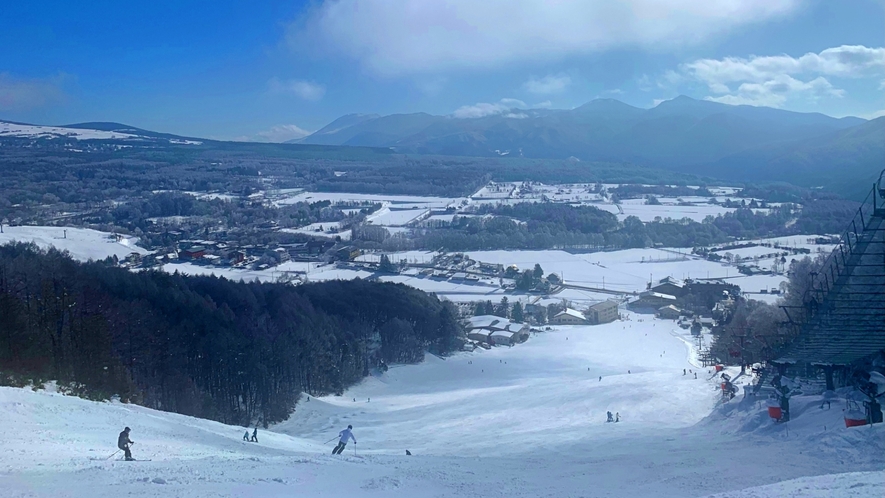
82 243
517 422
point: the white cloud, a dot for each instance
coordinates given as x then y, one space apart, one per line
300 88
278 134
543 105
772 80
417 36
22 93
775 92
483 109
845 61
548 84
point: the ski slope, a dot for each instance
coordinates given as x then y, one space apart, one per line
476 426
82 243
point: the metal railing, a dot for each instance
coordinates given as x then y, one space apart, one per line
853 239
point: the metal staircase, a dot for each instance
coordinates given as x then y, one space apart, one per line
842 317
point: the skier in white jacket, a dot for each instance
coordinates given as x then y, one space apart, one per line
344 436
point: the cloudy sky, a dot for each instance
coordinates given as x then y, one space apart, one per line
275 70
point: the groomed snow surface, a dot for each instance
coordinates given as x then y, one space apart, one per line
82 243
509 422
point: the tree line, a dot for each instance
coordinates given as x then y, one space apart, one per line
203 346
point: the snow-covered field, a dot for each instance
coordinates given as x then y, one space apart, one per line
510 422
399 200
83 243
36 131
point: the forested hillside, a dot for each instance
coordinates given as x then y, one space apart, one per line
203 346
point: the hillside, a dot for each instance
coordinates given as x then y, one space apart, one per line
475 425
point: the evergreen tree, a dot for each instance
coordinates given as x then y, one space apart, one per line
517 314
503 308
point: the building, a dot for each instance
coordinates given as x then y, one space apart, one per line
671 287
604 312
669 312
237 257
651 301
481 327
570 317
195 252
480 335
347 253
503 338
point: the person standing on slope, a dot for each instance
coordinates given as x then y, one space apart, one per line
343 436
255 435
246 436
123 443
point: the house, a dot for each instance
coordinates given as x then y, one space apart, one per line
503 338
483 326
195 252
604 312
669 312
671 287
480 335
319 246
237 257
651 301
347 253
282 254
570 317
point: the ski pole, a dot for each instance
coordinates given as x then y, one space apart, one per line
329 441
112 455
354 448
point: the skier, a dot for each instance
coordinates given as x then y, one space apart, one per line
255 435
609 419
123 443
343 436
695 375
246 436
617 417
600 378
683 371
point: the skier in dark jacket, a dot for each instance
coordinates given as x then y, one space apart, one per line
255 435
246 436
123 443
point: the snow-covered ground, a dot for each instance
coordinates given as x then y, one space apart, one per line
399 200
83 243
36 131
510 422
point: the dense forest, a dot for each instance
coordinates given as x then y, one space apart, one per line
203 346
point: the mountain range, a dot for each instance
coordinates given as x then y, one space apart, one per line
708 139
694 136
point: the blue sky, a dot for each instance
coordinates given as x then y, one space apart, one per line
272 70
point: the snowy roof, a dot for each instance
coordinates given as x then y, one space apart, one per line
503 333
669 307
571 312
671 280
490 322
657 295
